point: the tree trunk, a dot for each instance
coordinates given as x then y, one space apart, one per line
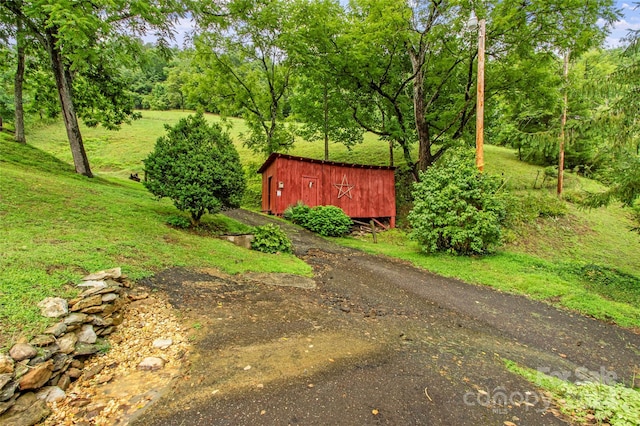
63 84
19 80
425 158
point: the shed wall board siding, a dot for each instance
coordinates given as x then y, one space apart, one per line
360 191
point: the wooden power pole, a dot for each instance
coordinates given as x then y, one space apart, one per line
480 98
563 122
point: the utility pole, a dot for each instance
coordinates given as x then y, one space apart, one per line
480 97
563 122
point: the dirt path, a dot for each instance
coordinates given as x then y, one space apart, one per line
376 342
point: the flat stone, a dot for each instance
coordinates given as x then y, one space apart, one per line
53 307
93 371
151 363
76 363
76 318
51 394
99 321
27 411
37 377
87 303
67 343
162 343
83 349
42 340
60 362
64 381
6 364
4 379
45 354
22 351
57 329
7 392
107 330
114 274
4 406
95 309
93 284
74 372
86 334
109 297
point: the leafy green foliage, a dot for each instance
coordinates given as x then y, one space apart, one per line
197 167
298 214
270 238
329 221
614 404
530 206
178 221
456 209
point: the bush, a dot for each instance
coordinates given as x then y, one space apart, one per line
528 207
271 239
298 214
456 209
197 167
329 221
180 222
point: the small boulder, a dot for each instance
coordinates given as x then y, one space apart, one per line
86 334
87 302
22 351
7 392
64 381
93 284
109 297
114 274
6 364
37 377
42 340
53 307
83 349
67 343
57 329
162 343
4 379
76 318
151 363
27 411
51 394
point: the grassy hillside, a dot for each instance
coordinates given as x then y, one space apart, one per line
57 226
60 225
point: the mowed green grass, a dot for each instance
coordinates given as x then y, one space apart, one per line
542 258
58 226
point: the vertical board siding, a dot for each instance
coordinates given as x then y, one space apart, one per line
370 191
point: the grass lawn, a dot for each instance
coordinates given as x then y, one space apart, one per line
59 225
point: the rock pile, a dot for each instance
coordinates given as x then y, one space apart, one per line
39 371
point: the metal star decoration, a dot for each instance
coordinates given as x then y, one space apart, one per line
341 188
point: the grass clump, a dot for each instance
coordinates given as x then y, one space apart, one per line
613 404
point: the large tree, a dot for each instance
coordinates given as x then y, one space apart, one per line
77 37
408 68
242 51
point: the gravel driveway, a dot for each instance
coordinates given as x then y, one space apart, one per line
377 341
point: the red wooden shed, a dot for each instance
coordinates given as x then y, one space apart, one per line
361 191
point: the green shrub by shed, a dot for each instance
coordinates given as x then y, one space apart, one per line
271 239
456 208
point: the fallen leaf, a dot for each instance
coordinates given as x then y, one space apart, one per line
507 423
374 412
